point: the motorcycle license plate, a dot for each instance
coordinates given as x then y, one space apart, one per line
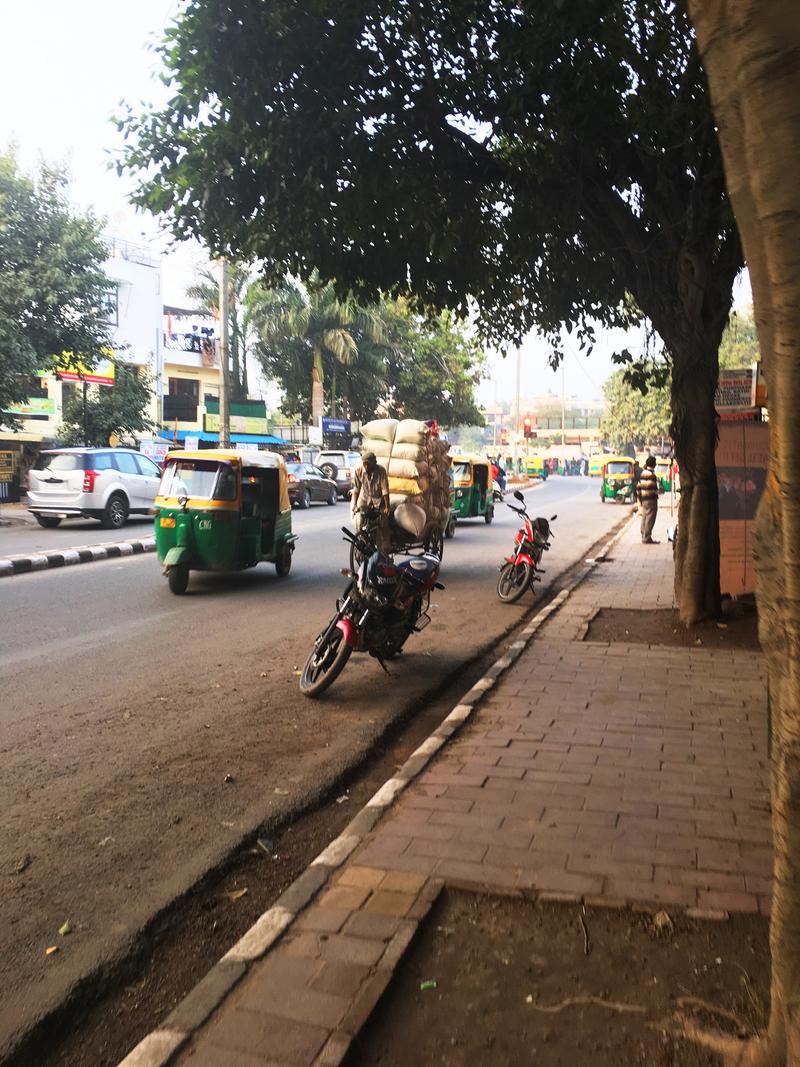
168 521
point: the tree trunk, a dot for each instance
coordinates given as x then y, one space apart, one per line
317 393
333 393
750 49
694 433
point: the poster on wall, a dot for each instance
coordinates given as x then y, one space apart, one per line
742 454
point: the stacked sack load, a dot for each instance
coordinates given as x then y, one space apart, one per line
418 466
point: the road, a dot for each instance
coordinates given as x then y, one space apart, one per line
29 538
143 734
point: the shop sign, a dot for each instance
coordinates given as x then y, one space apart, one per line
238 424
35 407
335 425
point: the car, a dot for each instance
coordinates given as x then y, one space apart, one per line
108 484
340 467
307 483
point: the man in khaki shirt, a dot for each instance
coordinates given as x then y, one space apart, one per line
371 490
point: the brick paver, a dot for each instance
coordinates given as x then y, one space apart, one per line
616 773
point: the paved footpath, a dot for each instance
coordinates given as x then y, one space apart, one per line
612 773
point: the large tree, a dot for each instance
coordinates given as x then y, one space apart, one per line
557 162
52 288
751 51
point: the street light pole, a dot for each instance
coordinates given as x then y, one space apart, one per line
563 405
516 414
224 406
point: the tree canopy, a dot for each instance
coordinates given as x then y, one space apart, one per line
410 367
634 418
52 288
739 346
120 409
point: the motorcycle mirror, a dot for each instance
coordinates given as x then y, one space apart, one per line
346 572
519 495
553 518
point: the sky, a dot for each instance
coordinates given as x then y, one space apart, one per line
66 66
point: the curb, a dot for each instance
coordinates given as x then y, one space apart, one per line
160 1045
70 556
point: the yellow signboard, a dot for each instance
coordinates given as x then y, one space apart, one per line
70 369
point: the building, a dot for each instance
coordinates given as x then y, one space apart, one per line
134 306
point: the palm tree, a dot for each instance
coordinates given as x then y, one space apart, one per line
322 322
205 292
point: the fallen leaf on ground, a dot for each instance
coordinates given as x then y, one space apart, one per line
49 951
229 778
65 929
430 983
24 863
236 894
280 792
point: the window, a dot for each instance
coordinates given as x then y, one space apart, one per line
103 461
180 402
126 463
59 461
147 467
198 478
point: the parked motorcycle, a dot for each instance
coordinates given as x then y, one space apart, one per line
521 569
383 604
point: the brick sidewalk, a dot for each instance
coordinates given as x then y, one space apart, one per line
616 773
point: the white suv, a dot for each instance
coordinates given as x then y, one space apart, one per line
91 483
339 466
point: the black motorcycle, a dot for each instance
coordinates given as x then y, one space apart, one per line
383 604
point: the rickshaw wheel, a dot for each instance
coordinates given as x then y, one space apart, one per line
325 663
513 581
434 544
283 564
178 578
487 518
450 529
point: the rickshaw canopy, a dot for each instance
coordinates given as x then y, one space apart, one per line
210 490
463 468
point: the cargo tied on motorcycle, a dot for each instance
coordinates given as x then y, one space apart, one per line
520 570
383 604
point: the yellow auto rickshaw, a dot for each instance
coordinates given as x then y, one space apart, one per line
618 479
472 488
535 467
221 511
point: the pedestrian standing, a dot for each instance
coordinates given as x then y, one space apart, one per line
647 495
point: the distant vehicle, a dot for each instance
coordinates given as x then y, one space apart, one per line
340 467
108 484
307 484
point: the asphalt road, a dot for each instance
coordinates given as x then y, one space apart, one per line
124 708
27 538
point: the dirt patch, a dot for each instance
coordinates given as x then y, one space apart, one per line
496 962
738 628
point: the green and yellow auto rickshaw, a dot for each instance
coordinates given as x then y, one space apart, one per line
472 488
617 480
664 475
535 467
222 511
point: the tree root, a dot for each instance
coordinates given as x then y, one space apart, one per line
713 1009
612 1005
756 1052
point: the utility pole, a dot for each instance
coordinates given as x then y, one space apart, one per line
224 406
563 405
516 413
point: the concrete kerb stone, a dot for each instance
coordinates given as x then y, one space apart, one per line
158 1047
155 1050
68 557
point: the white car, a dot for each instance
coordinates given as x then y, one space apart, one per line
339 466
108 484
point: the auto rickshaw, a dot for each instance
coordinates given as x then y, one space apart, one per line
222 511
596 464
535 467
664 475
472 484
617 480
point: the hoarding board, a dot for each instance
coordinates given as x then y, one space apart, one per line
742 455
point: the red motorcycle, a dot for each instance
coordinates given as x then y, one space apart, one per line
521 569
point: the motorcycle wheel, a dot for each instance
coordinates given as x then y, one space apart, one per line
325 663
513 581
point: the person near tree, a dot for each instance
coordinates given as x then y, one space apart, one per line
371 491
647 495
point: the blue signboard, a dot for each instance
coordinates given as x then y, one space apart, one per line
335 425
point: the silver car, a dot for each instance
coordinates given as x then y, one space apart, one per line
108 484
